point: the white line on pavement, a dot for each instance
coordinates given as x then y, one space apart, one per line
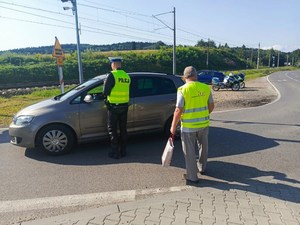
103 198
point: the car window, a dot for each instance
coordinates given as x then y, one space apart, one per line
96 92
166 86
149 86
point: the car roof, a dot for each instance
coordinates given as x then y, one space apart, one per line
103 76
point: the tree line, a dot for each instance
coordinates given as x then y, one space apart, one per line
157 57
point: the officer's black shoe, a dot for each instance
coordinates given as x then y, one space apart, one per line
114 155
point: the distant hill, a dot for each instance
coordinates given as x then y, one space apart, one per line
68 48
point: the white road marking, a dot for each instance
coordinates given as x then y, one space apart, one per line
103 198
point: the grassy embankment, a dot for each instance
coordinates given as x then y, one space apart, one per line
10 106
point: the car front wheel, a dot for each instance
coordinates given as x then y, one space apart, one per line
55 139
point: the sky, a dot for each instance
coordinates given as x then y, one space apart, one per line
34 23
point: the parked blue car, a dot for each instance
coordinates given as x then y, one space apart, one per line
205 76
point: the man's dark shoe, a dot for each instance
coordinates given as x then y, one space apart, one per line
114 155
190 181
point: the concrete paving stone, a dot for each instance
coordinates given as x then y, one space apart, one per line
243 202
294 206
230 223
230 196
180 218
207 221
270 207
159 206
291 222
220 210
254 200
207 201
182 208
147 222
249 221
98 220
154 215
262 220
114 217
193 223
169 212
280 204
143 210
241 194
286 214
130 213
184 201
166 221
234 216
85 221
110 222
194 216
275 218
140 217
126 219
195 205
220 219
258 210
208 212
247 213
232 205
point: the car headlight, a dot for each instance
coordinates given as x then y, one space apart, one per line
22 120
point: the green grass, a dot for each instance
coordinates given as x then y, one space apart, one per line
10 106
256 73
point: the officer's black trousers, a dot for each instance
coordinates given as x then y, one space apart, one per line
117 116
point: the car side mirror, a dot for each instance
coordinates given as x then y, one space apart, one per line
88 99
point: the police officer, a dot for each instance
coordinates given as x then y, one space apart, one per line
116 88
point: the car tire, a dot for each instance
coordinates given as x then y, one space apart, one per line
55 139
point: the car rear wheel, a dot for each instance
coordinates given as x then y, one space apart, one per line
55 139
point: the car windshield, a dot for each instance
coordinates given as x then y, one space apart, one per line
78 88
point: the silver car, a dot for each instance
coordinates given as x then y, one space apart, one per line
80 115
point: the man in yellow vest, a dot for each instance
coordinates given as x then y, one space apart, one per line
116 88
193 106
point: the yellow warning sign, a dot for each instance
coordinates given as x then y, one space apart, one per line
59 61
57 50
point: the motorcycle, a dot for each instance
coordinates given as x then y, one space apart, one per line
228 82
240 78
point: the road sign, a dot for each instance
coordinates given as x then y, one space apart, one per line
57 50
59 61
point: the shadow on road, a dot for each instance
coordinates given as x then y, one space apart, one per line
247 178
222 175
147 148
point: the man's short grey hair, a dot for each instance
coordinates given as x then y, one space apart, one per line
189 71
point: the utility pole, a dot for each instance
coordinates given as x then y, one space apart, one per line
278 59
74 9
207 54
174 42
258 56
174 34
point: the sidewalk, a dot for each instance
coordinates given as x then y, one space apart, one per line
262 205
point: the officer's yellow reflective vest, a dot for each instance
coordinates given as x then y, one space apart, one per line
195 113
120 92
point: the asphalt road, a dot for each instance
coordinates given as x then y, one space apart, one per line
256 145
